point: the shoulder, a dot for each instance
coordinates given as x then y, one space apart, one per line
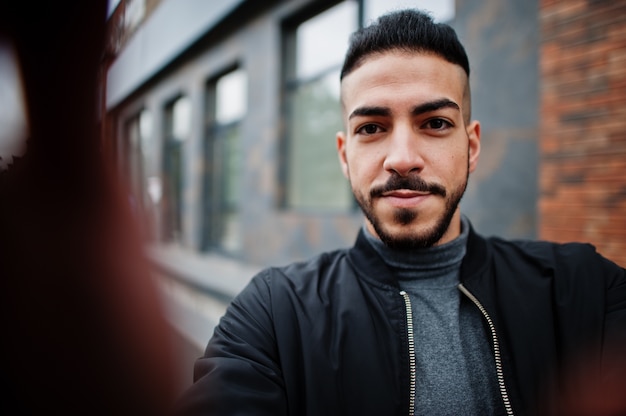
300 275
558 259
280 297
546 251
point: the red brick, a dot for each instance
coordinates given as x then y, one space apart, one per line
582 174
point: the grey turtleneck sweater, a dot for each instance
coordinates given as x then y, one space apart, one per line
455 366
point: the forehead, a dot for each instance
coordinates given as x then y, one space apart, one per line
397 76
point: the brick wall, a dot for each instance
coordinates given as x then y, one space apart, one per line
583 124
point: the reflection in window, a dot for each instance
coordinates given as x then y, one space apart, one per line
314 51
138 155
225 107
145 129
181 119
177 130
134 147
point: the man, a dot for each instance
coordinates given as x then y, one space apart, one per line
422 315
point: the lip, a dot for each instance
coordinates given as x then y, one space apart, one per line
405 198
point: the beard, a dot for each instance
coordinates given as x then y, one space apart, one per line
405 216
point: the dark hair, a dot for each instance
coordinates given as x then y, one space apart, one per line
407 30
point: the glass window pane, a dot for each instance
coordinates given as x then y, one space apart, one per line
133 153
145 130
181 118
231 97
226 107
322 41
177 127
315 180
232 166
231 159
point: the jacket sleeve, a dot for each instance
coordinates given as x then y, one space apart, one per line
615 323
239 373
584 389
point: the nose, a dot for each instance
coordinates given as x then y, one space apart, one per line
404 152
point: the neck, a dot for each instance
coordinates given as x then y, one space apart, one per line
431 261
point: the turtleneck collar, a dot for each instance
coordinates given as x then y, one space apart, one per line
426 262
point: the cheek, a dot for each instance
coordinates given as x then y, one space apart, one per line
452 165
361 167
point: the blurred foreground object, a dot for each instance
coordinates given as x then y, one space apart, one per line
83 330
585 392
12 117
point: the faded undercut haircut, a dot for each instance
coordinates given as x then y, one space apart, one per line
407 30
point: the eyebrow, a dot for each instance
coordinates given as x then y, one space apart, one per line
417 110
434 106
370 111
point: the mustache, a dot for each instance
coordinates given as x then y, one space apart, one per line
413 183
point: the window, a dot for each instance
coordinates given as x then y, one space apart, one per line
314 51
138 154
177 130
225 108
136 149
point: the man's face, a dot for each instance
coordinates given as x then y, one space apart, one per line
407 150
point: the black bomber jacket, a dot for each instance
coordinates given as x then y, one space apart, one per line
329 336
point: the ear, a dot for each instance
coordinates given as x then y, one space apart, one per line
473 135
341 152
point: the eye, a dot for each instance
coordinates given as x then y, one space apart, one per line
368 129
437 124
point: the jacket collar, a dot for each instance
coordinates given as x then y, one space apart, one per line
371 267
368 263
475 261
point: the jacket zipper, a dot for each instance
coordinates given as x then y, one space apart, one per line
412 368
496 350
